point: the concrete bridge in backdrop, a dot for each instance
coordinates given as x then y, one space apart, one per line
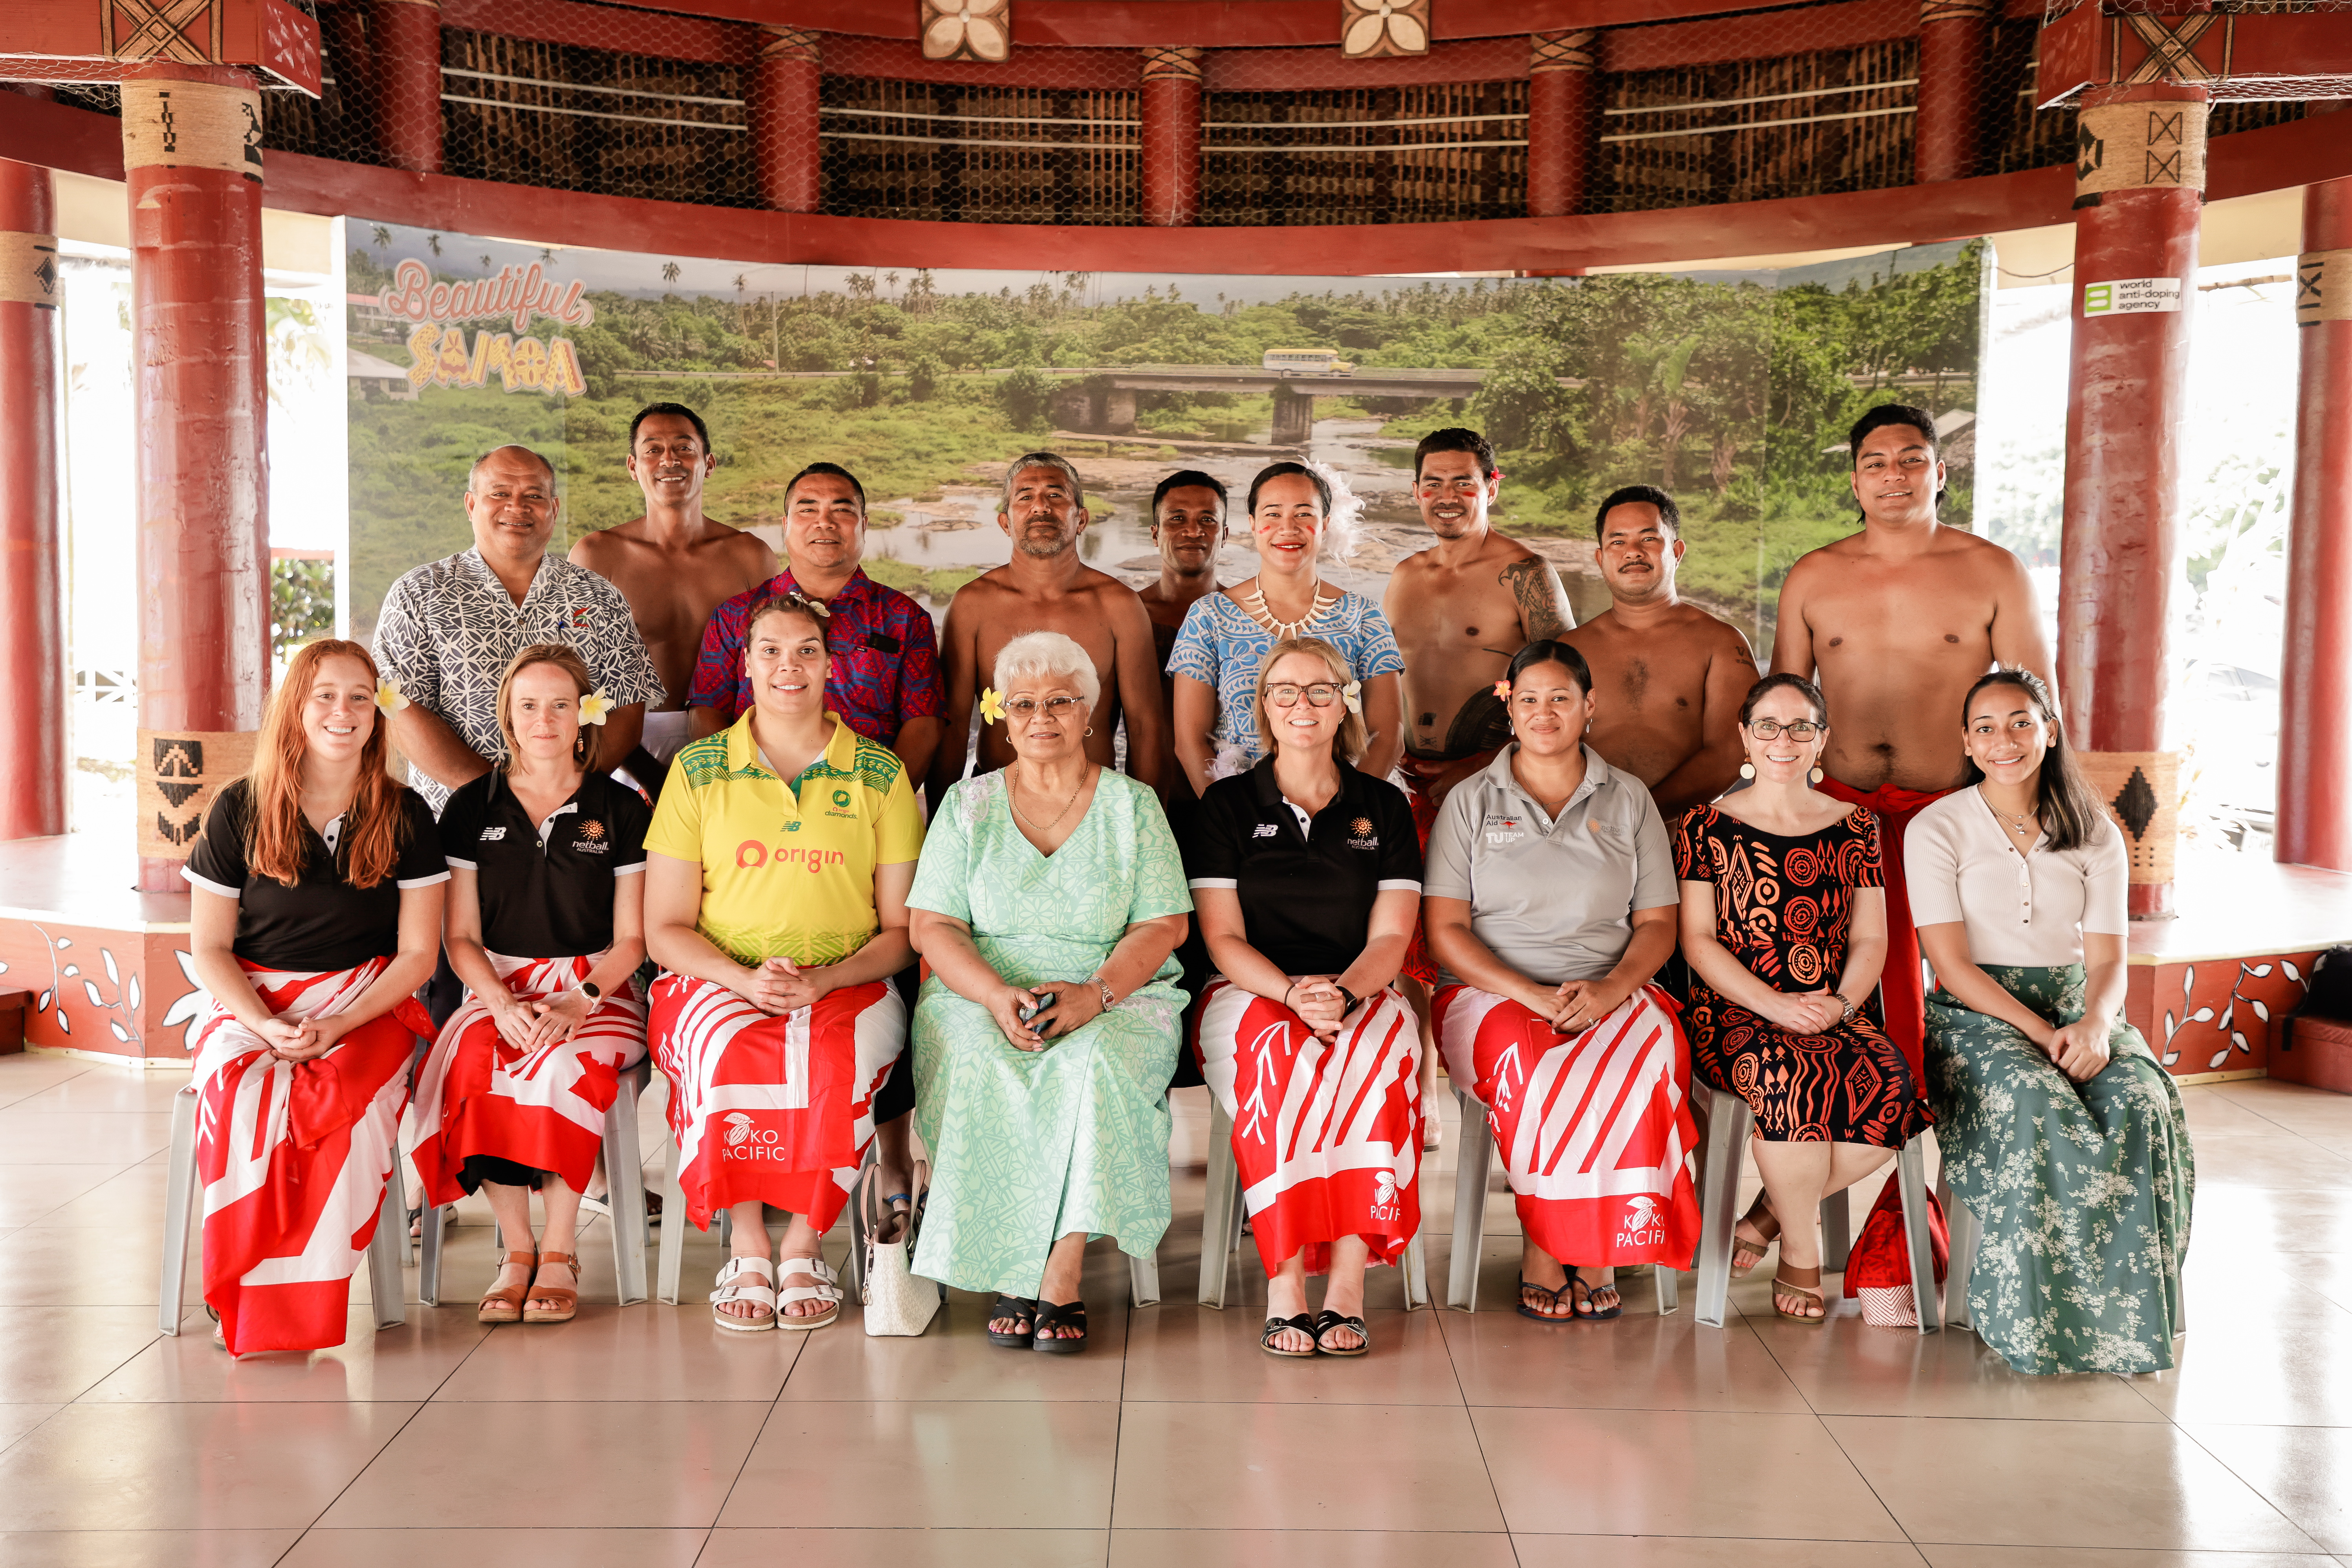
1111 407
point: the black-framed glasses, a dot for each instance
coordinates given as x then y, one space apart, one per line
1800 730
1284 694
1025 708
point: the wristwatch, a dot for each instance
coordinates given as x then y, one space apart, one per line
1103 986
1349 996
595 992
1843 1002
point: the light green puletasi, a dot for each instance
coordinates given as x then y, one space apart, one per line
1029 1146
2084 1189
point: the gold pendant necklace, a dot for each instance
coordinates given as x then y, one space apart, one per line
1011 797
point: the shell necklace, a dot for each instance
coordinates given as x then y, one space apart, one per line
1255 604
1012 796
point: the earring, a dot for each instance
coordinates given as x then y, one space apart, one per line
1747 770
1089 734
1817 775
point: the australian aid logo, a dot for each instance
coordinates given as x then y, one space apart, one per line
1642 1222
517 295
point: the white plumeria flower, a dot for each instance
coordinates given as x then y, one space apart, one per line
982 29
389 698
1391 22
1353 694
595 707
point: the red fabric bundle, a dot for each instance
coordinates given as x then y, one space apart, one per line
1878 1269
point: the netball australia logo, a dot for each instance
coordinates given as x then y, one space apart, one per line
1384 1189
1642 1223
745 1141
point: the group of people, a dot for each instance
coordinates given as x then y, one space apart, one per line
667 797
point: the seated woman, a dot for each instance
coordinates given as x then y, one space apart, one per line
2059 1129
316 912
776 881
1784 926
1306 876
1049 899
1549 900
545 924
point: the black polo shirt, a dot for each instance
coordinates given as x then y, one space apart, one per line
1306 897
321 922
546 889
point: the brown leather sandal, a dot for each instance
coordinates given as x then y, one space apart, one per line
1754 1245
505 1306
1789 1280
567 1300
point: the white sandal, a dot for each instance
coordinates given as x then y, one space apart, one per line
730 1289
827 1288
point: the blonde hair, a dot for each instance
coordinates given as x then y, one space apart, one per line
1353 740
1036 655
567 659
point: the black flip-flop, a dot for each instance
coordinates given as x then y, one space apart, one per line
1304 1324
1575 1278
1557 1298
1068 1315
1021 1309
1328 1319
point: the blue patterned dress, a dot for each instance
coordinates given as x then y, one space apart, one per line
1222 645
1030 1146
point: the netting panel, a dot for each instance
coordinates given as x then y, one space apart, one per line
1810 124
1395 155
981 154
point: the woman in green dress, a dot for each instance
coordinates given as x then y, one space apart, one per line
2061 1134
1048 902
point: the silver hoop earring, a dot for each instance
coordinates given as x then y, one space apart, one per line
1747 770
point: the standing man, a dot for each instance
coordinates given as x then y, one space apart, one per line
1046 587
674 565
1187 527
884 680
1460 609
1670 677
1895 623
448 629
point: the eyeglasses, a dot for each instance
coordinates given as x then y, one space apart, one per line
1056 708
1285 695
1765 729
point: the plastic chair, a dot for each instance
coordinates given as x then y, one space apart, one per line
1472 1168
1728 1123
624 1188
1222 1216
384 1253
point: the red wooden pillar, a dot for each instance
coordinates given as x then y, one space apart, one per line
404 74
2315 801
33 678
1954 48
784 105
1171 111
192 162
2140 177
1564 121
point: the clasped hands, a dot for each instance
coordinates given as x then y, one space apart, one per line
1063 1007
1813 1012
2079 1049
778 986
529 1026
1575 1005
1316 999
302 1040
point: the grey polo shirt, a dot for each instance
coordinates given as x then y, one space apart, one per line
1552 899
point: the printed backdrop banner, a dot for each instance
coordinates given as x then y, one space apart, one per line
1733 390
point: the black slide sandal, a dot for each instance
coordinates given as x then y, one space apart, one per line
1326 1319
1304 1324
1068 1315
1023 1310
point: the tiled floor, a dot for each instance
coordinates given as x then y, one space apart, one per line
643 1435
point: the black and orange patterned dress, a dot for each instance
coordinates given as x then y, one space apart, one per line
1782 908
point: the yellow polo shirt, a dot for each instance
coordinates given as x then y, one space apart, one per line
787 869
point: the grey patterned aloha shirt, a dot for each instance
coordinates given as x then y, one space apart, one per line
448 629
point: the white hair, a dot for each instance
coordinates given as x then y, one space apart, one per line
1039 655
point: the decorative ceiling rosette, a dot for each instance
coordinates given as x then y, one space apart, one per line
968 30
1369 29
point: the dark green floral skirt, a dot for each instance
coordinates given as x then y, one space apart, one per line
2083 1190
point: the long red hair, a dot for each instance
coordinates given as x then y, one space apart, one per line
275 838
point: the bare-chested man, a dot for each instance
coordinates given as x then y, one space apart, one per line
674 565
1188 526
1668 677
1046 587
1895 623
1459 610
